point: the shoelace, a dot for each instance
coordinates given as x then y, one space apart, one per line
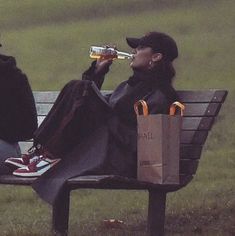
34 148
34 161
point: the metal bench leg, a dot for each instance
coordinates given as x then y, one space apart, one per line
156 213
60 216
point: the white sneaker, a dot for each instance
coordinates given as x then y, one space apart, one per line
37 167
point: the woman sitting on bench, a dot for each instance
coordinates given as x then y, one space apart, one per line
86 132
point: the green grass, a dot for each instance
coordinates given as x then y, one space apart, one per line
50 40
205 207
52 53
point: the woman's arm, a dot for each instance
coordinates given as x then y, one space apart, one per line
97 71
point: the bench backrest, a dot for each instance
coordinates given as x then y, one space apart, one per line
202 107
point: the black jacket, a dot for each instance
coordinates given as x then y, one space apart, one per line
111 146
18 116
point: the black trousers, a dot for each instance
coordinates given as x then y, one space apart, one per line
76 113
87 135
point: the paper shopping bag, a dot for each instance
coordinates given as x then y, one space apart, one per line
158 144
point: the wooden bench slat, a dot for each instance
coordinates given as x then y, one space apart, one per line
189 123
25 146
45 96
186 151
191 109
190 151
201 109
187 137
101 182
202 96
40 119
43 109
197 123
188 167
193 137
11 179
185 96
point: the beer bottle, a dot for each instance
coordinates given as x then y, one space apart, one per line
108 53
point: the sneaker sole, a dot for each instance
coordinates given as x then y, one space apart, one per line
31 175
10 163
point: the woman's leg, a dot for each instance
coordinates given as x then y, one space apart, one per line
75 114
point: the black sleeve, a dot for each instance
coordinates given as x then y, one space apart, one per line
18 116
98 78
26 111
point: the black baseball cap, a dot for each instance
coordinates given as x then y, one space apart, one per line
159 42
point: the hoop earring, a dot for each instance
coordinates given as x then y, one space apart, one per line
150 65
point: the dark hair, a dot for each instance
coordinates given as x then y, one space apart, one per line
166 72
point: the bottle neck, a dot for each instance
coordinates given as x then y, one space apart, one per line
97 52
124 55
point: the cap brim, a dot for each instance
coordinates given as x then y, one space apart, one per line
133 42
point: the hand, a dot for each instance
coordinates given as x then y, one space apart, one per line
102 65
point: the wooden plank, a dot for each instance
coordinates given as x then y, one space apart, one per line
117 182
197 123
187 137
189 123
190 151
44 102
185 179
201 109
43 108
198 96
206 96
40 119
188 167
100 181
185 96
45 96
191 110
11 179
50 96
193 137
25 146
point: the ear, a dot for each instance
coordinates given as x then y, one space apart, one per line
156 57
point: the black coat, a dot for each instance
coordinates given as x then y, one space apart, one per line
18 116
110 146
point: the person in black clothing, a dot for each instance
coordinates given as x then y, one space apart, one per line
18 116
87 132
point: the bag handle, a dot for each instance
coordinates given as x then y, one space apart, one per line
145 111
175 105
144 106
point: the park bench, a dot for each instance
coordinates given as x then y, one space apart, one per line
202 107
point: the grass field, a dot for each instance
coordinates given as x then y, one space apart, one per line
50 40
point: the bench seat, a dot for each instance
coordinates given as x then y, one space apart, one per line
98 181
